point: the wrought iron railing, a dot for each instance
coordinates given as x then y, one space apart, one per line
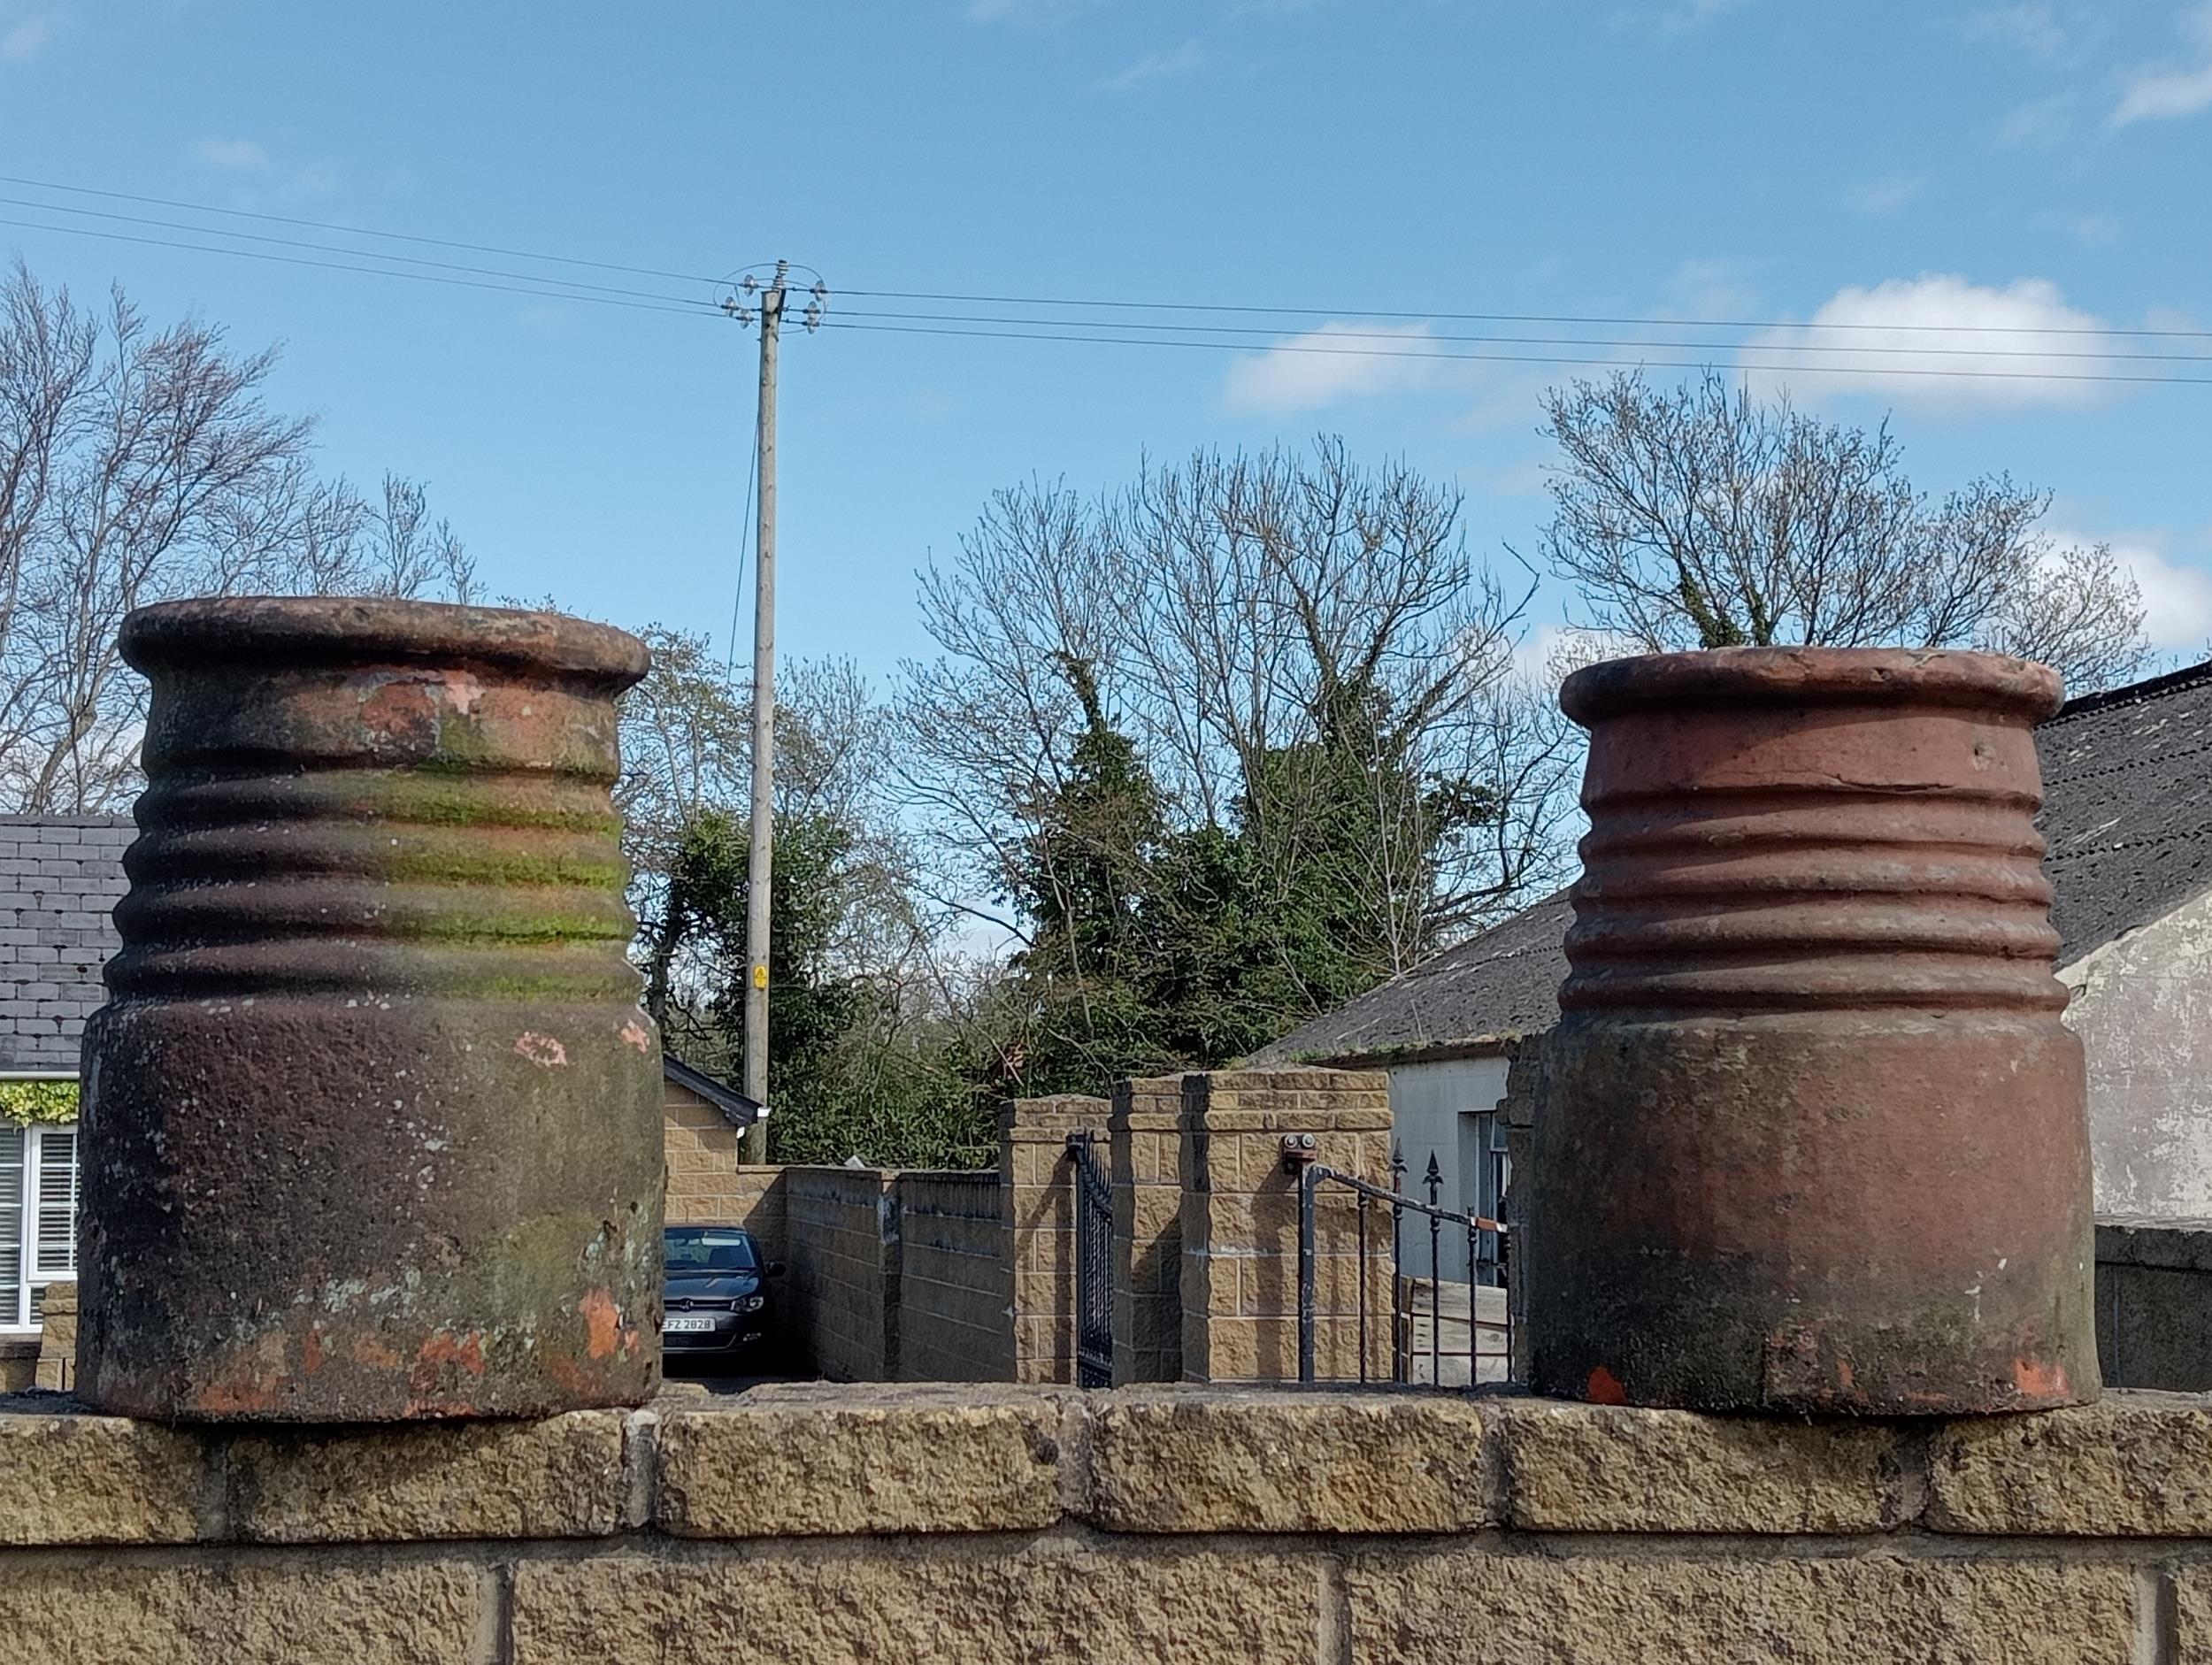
1092 1200
1486 1240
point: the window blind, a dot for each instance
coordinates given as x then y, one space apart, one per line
14 1152
56 1251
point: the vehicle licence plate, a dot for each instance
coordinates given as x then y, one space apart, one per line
688 1323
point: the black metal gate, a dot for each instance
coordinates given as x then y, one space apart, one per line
1093 1200
1486 1249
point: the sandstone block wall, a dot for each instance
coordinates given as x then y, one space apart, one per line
1196 1524
1522 1104
702 1151
956 1282
1240 1225
1145 1164
1038 1193
56 1366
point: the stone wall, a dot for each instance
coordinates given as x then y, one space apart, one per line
701 1149
57 1339
1144 1158
1241 1225
955 1280
1037 1179
2154 1303
842 1291
1520 1107
1198 1524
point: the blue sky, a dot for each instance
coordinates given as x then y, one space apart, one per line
2030 165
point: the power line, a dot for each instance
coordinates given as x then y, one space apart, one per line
646 301
297 243
1542 341
1614 321
652 303
1514 317
352 231
737 600
1522 358
1197 336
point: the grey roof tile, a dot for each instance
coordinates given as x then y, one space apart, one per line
60 881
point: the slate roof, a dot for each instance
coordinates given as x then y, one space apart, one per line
2127 806
2127 810
59 880
738 1110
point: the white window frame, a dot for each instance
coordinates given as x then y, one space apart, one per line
15 1321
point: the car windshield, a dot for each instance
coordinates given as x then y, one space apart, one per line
697 1251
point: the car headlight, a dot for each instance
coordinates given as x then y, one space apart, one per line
752 1303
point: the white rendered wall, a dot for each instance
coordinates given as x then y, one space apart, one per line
1426 1101
2143 1009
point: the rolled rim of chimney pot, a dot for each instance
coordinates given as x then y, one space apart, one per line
292 629
371 1120
1814 1136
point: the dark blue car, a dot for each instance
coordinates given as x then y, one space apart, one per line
715 1303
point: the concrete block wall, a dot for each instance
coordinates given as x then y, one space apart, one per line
956 1279
842 1285
1200 1525
2154 1303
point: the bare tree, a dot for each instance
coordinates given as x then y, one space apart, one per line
1234 615
138 465
686 756
1693 516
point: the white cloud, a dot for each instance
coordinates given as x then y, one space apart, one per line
2177 599
2035 29
2044 125
1155 67
26 38
1938 338
238 156
2092 229
1697 13
1335 362
1550 653
1712 289
258 177
1025 10
2167 92
1877 199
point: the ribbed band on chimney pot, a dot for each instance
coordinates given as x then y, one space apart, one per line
1814 1137
371 1119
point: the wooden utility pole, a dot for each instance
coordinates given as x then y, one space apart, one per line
760 857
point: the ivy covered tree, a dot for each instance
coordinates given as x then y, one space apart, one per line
1220 751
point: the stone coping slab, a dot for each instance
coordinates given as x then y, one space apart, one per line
830 1461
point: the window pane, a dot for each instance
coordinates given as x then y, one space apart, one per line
14 1149
56 1202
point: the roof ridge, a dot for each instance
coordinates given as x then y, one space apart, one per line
2133 694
